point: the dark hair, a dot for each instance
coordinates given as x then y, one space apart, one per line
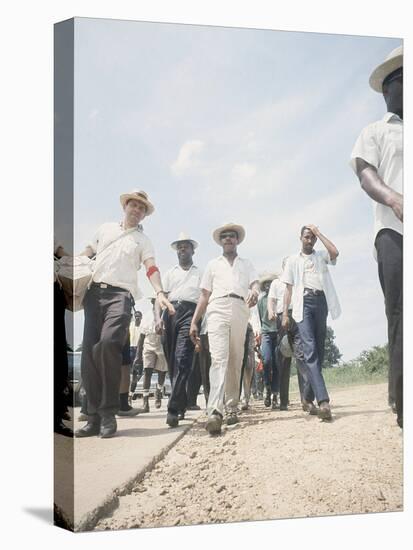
304 227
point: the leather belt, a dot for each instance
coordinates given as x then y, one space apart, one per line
313 292
183 303
232 295
105 285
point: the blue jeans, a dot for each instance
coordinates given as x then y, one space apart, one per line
269 356
312 332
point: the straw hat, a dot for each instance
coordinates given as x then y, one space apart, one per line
392 62
229 227
267 277
140 196
181 238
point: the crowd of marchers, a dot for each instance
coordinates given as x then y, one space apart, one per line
216 319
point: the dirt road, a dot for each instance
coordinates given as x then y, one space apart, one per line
276 464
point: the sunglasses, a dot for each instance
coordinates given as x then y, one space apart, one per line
231 235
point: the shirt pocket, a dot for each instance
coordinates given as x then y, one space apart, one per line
241 278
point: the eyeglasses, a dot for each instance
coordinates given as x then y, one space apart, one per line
231 235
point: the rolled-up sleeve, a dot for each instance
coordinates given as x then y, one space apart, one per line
206 281
147 250
366 148
287 275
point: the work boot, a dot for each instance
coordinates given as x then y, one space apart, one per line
267 399
214 423
91 428
232 418
245 405
108 426
274 404
308 406
130 411
145 404
158 398
324 411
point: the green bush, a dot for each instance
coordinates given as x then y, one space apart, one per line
371 366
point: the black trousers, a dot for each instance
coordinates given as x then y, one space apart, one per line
60 362
179 352
107 318
389 245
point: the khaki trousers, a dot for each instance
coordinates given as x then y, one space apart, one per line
227 326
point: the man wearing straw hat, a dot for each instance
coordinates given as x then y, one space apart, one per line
377 159
229 287
268 337
181 283
120 250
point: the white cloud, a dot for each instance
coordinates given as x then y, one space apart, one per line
243 171
188 157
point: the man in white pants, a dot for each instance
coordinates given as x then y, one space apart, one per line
229 287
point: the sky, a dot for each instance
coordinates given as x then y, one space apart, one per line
222 124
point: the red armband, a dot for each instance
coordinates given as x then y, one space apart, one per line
151 271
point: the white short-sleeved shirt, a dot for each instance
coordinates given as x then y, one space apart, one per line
381 145
134 333
221 279
277 290
117 264
293 274
182 284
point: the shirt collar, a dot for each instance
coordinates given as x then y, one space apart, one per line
139 227
177 266
389 116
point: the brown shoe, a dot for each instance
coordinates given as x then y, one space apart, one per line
324 411
214 423
308 406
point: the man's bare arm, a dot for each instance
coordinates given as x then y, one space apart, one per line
272 308
287 300
377 190
155 280
198 313
330 246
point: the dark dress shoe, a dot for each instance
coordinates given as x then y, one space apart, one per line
181 416
61 429
90 429
108 426
172 420
194 408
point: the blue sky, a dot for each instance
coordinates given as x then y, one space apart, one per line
220 124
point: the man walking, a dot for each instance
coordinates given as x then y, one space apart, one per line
120 250
314 296
181 284
229 287
275 306
268 336
377 159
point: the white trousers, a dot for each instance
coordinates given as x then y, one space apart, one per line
227 326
